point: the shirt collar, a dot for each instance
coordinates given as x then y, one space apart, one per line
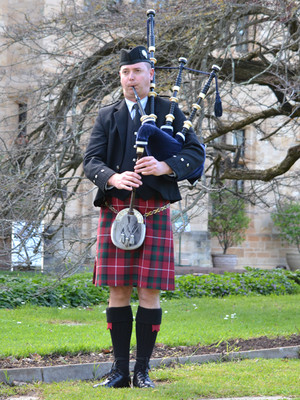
130 103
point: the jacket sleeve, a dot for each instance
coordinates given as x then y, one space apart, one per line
95 158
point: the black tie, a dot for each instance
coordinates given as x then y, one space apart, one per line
137 116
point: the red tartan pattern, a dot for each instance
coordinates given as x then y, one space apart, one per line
151 265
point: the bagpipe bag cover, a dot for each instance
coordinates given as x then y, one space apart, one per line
162 145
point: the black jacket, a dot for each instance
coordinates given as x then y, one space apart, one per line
107 148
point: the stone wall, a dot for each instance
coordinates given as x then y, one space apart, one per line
192 249
262 248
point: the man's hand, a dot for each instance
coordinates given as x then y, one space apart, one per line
126 180
150 166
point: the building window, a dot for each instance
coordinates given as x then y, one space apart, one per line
27 246
21 139
238 140
220 140
22 122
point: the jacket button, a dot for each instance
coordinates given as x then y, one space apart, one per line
117 167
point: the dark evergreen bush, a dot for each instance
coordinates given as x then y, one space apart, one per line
78 290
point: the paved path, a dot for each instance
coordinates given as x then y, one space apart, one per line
96 371
89 371
23 398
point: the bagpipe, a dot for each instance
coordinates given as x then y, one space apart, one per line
160 142
128 229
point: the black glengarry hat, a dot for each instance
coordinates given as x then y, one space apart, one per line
135 55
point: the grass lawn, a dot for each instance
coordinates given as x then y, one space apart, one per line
233 379
185 322
44 330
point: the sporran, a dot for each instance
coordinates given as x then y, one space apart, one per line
128 230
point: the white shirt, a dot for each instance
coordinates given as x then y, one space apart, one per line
130 105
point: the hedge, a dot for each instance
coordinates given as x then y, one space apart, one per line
78 290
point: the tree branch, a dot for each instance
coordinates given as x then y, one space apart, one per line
268 174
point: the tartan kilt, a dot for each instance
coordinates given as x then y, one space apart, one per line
151 265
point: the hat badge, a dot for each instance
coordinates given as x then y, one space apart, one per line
145 53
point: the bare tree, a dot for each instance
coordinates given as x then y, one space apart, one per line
69 62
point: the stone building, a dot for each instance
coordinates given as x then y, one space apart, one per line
193 245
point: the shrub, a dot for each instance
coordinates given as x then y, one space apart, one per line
228 221
252 282
78 290
287 220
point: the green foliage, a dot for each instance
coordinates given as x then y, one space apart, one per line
252 282
287 219
78 290
228 220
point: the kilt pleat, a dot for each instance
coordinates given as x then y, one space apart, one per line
150 266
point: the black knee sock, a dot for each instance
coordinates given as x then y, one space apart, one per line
119 322
147 326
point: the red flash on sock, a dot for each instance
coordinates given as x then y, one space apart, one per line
155 328
109 325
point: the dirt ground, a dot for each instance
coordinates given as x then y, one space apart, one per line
160 351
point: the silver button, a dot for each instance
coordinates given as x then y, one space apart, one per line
96 176
187 164
182 159
117 167
102 170
134 159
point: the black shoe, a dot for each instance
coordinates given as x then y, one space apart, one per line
141 379
115 379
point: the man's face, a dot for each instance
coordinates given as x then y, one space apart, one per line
138 75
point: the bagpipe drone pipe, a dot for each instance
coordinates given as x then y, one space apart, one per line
161 142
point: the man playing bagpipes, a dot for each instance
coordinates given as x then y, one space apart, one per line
112 164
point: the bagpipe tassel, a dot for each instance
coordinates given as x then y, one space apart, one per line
218 102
